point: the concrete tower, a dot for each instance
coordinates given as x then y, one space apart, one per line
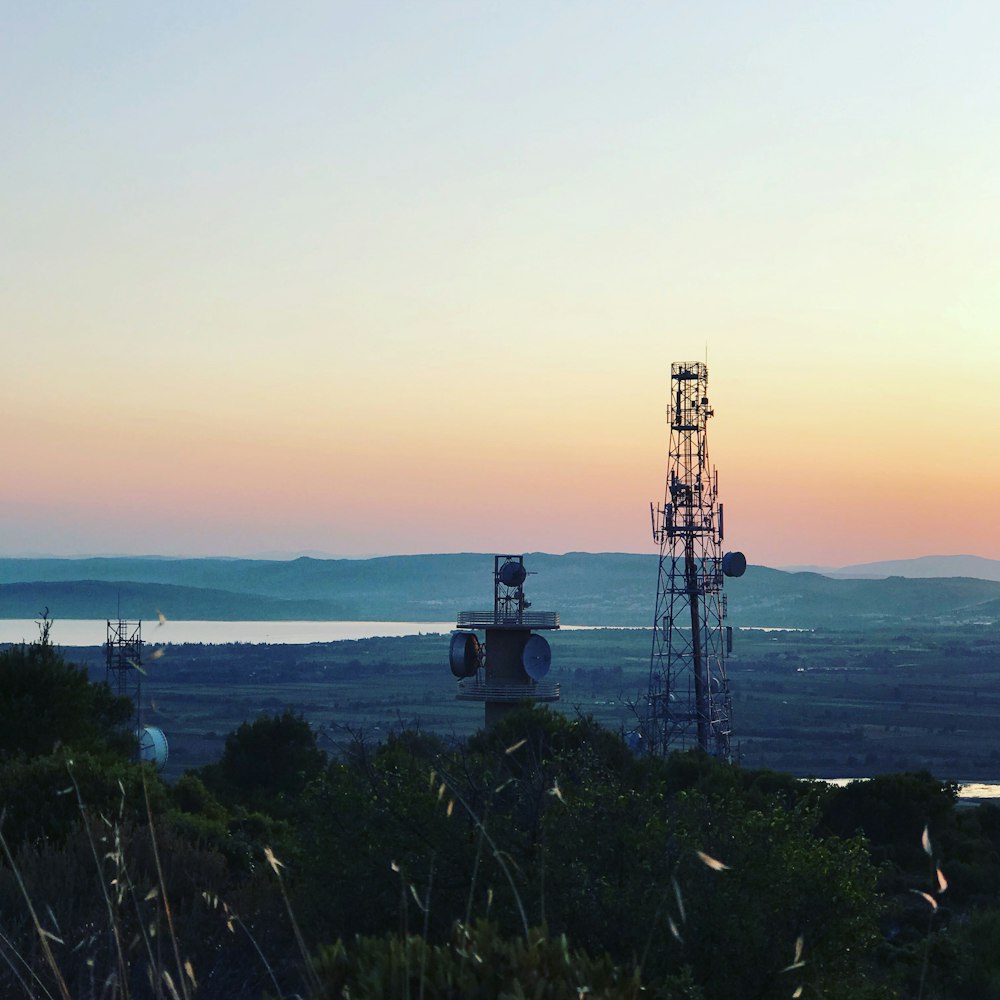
509 668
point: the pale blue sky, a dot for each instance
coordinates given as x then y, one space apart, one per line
303 263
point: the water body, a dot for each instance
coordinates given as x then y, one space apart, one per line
86 632
966 789
91 632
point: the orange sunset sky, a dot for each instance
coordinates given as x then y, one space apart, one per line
398 277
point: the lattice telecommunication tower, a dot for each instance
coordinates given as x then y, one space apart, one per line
123 672
123 659
689 703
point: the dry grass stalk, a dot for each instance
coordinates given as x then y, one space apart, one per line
163 890
116 856
497 853
12 948
680 901
233 920
46 949
311 977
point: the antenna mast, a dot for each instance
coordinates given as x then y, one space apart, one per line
123 662
689 703
123 673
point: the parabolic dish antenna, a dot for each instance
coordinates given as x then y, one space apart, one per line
536 657
463 654
153 747
513 574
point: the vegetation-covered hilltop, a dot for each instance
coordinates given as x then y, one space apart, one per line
539 859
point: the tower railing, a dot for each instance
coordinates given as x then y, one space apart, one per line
522 619
473 689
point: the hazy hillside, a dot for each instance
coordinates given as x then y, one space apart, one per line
925 566
809 600
100 599
586 588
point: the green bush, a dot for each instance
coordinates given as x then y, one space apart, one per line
479 962
47 703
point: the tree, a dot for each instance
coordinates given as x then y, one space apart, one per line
550 821
267 764
46 702
479 962
891 810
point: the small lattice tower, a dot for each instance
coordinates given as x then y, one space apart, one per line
123 658
689 703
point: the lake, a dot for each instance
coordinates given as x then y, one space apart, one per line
966 789
87 632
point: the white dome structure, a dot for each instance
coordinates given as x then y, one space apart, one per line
153 746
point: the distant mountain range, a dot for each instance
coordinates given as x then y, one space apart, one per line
923 567
586 588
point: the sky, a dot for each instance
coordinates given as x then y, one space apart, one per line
371 278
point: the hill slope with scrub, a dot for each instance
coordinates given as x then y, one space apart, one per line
540 858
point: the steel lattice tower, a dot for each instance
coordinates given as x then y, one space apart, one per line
124 673
689 703
123 663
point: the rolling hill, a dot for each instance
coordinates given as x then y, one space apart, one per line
586 588
925 567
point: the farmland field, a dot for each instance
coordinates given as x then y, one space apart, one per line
824 703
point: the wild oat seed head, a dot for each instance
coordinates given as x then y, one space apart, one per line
272 860
942 882
713 863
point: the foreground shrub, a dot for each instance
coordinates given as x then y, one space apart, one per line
548 821
46 703
479 962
